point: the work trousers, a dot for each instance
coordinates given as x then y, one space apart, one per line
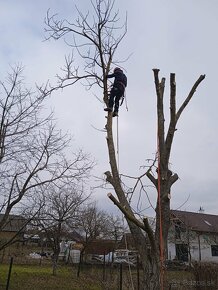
115 96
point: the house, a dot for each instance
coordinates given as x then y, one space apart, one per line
127 242
15 225
100 247
193 237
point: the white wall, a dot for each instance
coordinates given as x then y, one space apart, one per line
171 251
205 246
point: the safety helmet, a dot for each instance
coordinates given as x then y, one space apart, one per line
117 69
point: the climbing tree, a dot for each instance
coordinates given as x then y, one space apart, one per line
96 38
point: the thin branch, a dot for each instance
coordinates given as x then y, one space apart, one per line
190 95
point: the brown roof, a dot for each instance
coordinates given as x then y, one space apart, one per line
197 221
127 242
75 236
100 247
14 223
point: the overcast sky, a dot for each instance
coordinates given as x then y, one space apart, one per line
174 36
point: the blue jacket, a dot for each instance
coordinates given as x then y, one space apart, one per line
120 79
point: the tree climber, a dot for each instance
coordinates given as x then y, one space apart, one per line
117 91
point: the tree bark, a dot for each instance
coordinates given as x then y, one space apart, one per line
149 260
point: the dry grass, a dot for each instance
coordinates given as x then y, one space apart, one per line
33 277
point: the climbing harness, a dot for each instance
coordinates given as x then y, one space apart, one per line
122 100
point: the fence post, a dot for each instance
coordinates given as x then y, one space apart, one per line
9 273
79 265
104 268
138 274
121 276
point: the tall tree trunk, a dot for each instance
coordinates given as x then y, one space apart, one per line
150 261
55 262
152 258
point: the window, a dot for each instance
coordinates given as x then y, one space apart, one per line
179 228
177 231
214 250
182 252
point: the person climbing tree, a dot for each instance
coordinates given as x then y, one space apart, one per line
117 91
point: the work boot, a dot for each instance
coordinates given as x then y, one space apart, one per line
108 109
115 114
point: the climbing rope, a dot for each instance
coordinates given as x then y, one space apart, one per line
160 219
129 267
118 165
126 101
126 246
118 158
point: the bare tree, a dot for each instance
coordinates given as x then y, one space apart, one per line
96 39
116 227
93 223
61 205
165 177
32 150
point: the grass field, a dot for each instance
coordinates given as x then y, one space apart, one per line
33 274
36 277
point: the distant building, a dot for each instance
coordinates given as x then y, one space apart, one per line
127 242
193 237
100 247
15 225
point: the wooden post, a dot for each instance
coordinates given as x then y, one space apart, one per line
138 274
9 273
79 265
199 247
104 268
121 276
